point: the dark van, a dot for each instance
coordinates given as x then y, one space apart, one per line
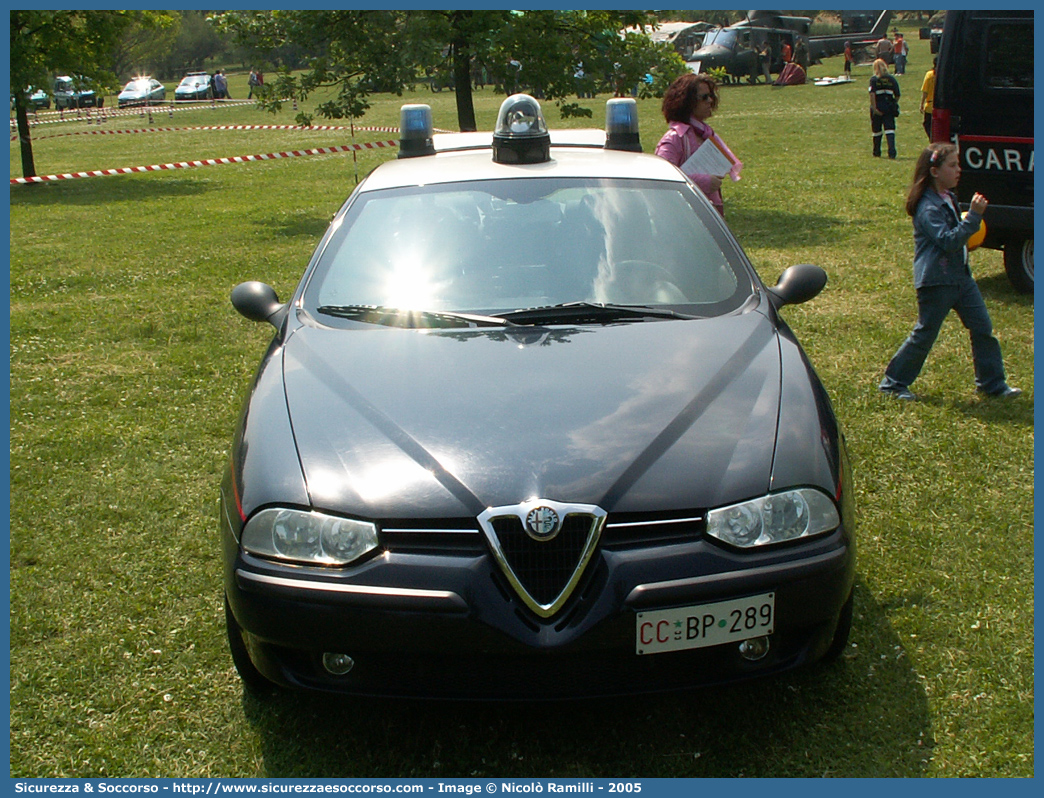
984 103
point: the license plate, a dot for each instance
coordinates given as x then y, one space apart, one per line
704 625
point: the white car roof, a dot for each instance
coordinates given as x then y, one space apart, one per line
469 156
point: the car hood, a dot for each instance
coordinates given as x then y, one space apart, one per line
656 415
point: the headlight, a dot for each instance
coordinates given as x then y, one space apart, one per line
775 518
308 537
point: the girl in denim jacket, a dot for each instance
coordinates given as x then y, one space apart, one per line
942 277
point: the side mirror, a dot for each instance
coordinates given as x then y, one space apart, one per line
797 284
258 302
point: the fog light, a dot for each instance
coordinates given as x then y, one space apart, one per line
337 664
754 649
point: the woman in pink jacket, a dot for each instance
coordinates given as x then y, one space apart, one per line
689 102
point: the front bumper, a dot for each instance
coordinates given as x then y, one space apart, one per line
83 101
444 625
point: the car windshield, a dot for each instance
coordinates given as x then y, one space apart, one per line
137 85
192 82
500 245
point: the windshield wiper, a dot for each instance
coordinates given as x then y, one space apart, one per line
411 317
589 312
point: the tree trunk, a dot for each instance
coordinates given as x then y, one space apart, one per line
460 51
25 143
462 86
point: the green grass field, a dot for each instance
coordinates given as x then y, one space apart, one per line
128 367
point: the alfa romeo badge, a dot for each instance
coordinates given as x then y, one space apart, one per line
542 523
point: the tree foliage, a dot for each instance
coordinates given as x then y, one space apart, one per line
45 43
64 42
354 51
166 45
143 42
551 54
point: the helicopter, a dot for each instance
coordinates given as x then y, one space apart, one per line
736 47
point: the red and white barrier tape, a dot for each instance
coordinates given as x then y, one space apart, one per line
215 127
93 115
97 115
209 162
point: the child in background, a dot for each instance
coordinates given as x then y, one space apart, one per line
942 278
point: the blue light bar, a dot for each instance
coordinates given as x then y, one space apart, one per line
415 131
621 125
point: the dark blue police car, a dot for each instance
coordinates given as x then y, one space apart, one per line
532 426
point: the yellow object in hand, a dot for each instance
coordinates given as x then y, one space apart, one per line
978 236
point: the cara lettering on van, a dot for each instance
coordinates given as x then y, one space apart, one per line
1002 160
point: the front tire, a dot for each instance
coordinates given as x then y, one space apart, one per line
254 681
1018 263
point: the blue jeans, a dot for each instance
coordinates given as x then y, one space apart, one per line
933 305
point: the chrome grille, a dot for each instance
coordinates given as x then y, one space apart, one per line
462 536
640 530
543 568
543 564
433 536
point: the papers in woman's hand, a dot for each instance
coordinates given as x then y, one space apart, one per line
709 159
